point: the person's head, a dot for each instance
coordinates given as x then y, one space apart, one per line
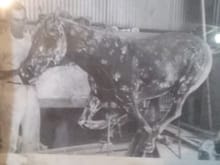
17 18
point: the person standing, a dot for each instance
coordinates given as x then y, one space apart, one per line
19 106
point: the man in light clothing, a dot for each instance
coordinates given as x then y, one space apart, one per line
19 107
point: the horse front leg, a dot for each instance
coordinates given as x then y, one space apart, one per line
143 145
93 106
144 141
140 117
134 147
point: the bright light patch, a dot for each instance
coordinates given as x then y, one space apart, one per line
217 38
4 4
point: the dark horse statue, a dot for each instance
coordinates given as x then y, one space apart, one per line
123 74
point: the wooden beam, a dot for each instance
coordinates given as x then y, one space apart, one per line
101 148
209 104
94 148
198 131
186 136
62 103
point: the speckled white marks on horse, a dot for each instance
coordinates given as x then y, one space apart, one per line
126 72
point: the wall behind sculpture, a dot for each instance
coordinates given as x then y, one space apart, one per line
63 82
150 14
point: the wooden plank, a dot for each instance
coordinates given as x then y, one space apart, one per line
202 132
94 148
171 152
186 136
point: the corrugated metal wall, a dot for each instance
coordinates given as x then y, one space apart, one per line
152 14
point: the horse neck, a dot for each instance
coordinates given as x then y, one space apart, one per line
77 37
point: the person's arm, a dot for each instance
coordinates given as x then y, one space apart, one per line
6 58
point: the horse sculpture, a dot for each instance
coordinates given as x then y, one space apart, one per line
129 72
123 74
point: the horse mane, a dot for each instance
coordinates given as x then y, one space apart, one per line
38 35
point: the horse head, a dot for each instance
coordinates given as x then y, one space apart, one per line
48 48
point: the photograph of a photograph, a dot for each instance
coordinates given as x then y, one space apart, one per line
109 78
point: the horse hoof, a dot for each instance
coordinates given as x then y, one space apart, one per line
149 148
43 147
81 123
164 139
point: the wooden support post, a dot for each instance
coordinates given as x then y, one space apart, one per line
209 106
109 144
179 140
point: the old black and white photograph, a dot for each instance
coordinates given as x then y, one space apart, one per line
112 78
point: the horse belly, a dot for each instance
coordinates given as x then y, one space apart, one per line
155 77
158 85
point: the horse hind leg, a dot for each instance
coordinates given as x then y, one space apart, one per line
195 75
180 94
153 115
